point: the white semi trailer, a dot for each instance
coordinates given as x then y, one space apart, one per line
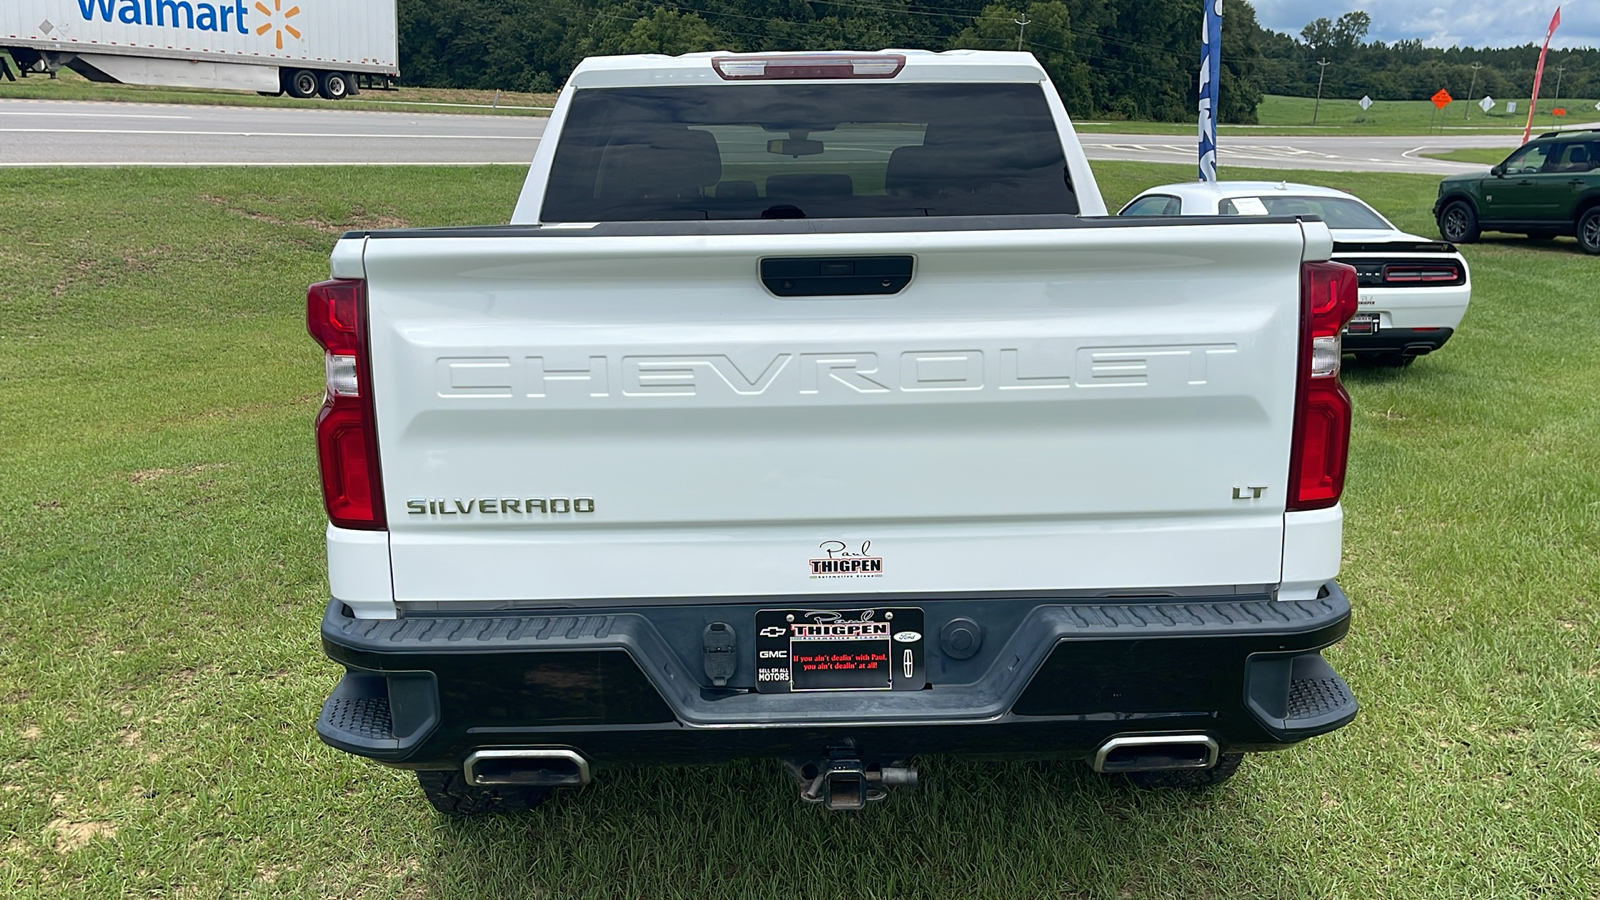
298 47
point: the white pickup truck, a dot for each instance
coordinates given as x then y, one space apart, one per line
810 407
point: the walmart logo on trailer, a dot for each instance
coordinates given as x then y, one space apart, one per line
195 16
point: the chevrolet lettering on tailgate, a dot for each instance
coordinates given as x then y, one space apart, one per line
540 377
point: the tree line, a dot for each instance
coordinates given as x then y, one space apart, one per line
1406 70
1119 59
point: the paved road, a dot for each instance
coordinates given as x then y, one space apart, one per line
79 133
52 133
1320 152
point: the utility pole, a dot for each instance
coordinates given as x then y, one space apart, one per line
1559 70
1467 107
1022 23
1321 71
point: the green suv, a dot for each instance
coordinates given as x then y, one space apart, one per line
1549 186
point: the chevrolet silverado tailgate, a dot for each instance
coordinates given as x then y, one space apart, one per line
571 416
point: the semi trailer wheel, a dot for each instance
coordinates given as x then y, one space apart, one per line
335 85
302 83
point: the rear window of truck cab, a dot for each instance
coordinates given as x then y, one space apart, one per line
778 151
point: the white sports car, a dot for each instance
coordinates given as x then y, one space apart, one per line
1413 291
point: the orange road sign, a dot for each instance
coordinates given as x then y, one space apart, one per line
1442 99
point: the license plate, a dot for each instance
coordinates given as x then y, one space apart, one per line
1362 323
803 650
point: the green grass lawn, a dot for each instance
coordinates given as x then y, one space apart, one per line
161 583
1415 116
1489 156
69 85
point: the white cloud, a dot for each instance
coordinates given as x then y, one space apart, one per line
1443 23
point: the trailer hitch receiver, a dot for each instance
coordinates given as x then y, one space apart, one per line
844 783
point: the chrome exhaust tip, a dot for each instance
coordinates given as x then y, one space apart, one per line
1156 753
543 767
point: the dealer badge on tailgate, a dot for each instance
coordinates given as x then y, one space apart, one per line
839 650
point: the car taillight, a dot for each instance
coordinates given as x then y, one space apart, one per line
841 65
1421 274
347 438
1328 296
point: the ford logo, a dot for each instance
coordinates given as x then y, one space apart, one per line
907 637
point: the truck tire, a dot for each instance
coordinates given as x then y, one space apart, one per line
1589 230
1458 223
334 86
450 794
302 83
1227 765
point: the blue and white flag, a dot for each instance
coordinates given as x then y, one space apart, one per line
1210 84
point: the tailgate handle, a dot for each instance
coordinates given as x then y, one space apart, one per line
835 276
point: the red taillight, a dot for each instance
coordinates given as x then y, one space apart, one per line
839 65
1321 446
1421 274
347 438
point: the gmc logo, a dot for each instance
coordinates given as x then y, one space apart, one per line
690 375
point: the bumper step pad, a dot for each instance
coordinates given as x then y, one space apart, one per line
1312 698
1296 696
377 715
362 718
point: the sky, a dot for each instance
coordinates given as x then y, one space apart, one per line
1445 23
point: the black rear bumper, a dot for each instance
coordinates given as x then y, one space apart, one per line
1051 679
1410 341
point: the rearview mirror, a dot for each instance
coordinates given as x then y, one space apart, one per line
795 147
1498 171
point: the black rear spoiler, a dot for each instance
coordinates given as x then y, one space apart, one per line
1394 247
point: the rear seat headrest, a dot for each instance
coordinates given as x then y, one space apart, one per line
660 162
